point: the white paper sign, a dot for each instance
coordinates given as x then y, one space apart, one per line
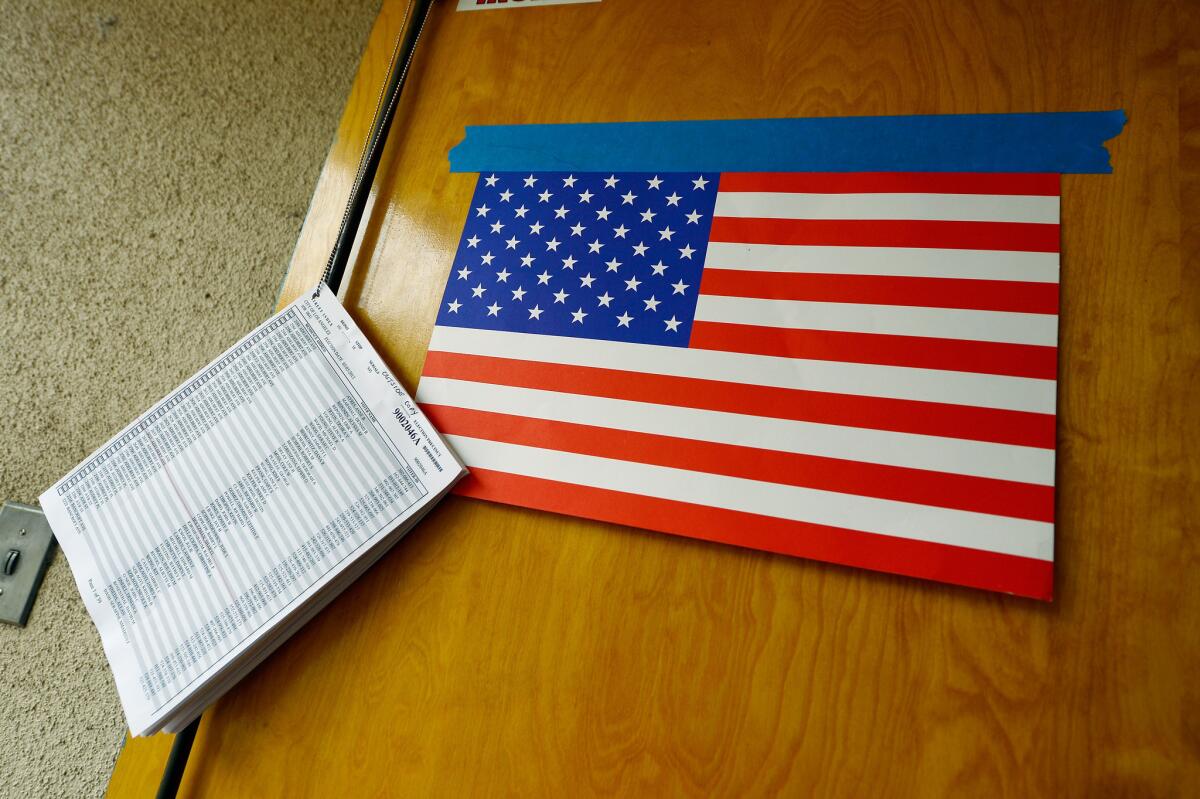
487 5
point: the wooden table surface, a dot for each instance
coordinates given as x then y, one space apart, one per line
499 651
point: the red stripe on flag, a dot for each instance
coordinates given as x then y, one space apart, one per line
892 183
958 565
1008 236
985 357
940 489
850 410
932 292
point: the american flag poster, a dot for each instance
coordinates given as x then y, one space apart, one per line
857 368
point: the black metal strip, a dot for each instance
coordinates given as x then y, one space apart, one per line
336 266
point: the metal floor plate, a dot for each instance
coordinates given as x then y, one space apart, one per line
26 546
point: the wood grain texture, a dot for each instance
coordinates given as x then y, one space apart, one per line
499 651
140 766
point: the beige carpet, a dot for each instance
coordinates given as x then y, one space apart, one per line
156 161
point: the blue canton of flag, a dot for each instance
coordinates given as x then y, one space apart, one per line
615 257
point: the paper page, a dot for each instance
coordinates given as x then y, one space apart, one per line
212 517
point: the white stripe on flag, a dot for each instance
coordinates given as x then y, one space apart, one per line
1033 267
933 207
909 450
896 382
897 320
887 517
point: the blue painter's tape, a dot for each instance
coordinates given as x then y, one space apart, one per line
1064 142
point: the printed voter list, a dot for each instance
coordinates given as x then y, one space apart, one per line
217 523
